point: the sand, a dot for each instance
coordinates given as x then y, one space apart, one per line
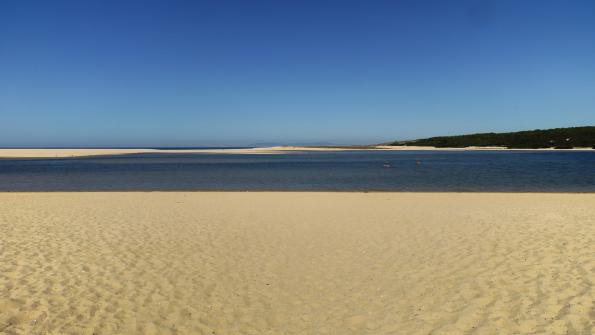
64 153
296 263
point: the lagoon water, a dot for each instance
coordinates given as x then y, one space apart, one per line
475 171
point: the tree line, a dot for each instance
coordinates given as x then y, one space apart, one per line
559 138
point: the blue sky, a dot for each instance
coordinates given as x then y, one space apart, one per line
224 73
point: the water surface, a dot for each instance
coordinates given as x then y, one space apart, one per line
476 171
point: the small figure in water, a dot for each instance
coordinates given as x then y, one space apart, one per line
417 162
386 165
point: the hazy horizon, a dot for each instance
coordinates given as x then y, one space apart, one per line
236 145
234 73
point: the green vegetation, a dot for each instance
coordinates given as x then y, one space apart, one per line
560 138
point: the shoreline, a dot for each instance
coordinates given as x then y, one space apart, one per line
239 191
91 152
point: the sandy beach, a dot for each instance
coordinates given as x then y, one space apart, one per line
296 263
64 153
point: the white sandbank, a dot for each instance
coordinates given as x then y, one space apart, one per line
82 152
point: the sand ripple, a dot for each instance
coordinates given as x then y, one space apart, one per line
296 263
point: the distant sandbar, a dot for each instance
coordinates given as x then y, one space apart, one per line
82 152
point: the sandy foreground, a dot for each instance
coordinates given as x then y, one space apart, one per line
296 263
63 153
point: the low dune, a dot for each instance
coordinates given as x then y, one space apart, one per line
296 263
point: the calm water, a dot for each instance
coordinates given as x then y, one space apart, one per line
342 171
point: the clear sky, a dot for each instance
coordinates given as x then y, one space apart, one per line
225 73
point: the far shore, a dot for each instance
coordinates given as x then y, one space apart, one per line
83 152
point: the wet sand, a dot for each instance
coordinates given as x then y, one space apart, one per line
296 263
